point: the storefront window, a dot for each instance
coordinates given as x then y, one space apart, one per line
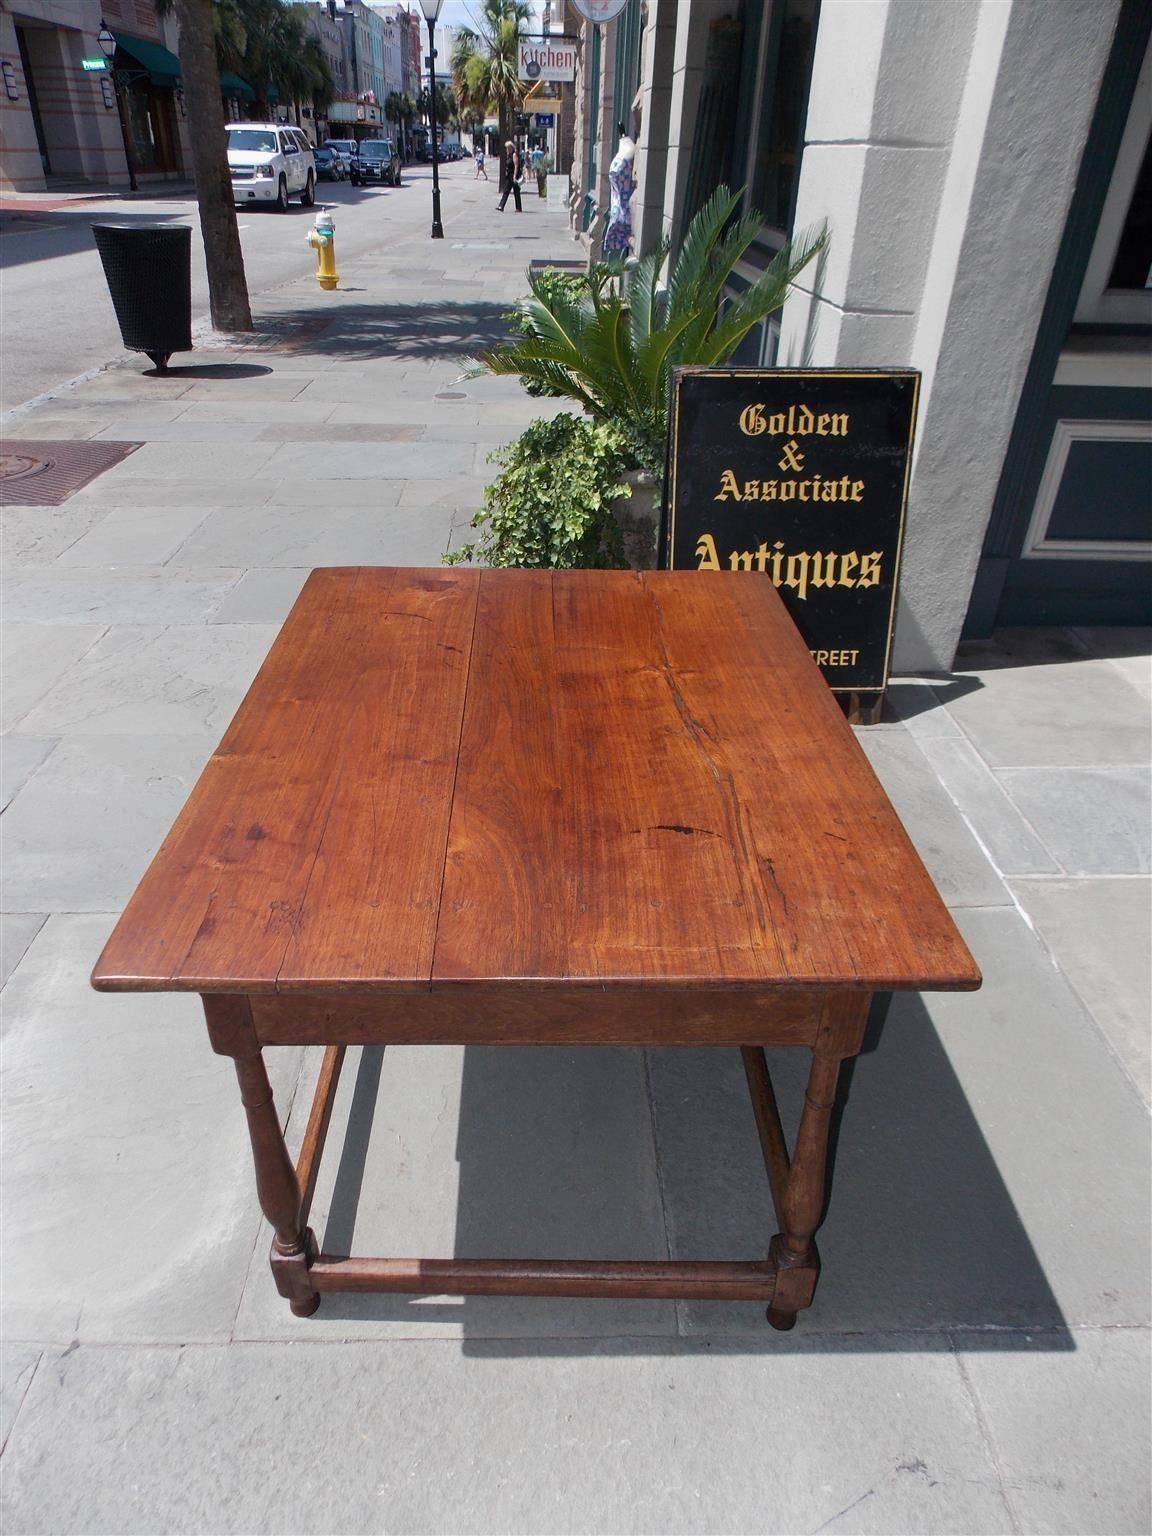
774 168
1133 265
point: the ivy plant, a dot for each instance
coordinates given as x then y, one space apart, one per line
551 503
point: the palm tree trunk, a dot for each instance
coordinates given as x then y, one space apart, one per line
227 286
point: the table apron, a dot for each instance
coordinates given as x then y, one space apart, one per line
544 1016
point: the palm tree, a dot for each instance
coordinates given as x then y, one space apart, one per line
485 64
400 108
614 350
202 25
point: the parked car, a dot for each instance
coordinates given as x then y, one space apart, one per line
347 149
375 162
330 163
269 163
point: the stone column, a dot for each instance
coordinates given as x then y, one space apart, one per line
658 47
942 146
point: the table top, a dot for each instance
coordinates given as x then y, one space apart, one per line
445 777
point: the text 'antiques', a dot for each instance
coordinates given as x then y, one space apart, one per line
800 475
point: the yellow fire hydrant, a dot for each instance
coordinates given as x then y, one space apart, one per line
322 239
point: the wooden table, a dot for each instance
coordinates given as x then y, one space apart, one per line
553 808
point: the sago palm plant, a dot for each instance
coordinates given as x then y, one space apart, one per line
613 346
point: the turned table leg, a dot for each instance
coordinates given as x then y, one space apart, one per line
232 1034
792 1250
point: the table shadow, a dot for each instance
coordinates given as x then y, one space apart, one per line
562 1155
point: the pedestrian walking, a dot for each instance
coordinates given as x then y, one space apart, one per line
511 170
478 155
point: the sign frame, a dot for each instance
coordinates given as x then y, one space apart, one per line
553 76
872 692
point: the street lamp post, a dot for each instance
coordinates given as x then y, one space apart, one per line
431 9
108 48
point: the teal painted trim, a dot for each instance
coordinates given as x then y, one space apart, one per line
1012 506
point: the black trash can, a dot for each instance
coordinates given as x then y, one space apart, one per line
148 268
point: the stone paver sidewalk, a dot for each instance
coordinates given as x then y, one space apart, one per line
977 1360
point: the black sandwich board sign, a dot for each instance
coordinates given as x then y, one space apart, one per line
800 474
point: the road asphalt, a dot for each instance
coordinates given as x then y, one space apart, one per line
55 311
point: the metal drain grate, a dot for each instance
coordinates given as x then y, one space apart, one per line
39 473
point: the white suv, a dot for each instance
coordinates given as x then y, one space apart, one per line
270 163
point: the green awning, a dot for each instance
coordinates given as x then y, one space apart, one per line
163 67
232 85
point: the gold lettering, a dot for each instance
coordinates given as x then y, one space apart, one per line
706 556
751 490
740 560
797 577
762 558
728 487
823 570
828 491
857 490
777 558
768 490
846 564
869 569
796 421
787 490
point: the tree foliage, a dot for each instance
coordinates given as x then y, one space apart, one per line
485 62
612 345
267 43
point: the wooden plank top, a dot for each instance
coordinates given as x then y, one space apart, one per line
533 778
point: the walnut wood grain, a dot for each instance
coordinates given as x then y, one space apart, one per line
715 1280
538 779
492 1015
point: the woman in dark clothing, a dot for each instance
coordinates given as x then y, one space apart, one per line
510 172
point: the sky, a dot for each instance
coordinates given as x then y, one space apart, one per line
455 13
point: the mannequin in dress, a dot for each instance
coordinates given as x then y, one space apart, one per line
618 231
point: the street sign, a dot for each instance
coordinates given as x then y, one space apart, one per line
549 58
800 475
544 119
91 65
600 10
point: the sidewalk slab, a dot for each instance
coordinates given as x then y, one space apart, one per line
85 595
952 855
585 1438
1098 931
20 756
81 832
1071 1431
127 1181
1095 821
134 535
17 930
148 681
35 655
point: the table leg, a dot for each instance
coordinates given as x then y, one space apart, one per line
232 1034
792 1250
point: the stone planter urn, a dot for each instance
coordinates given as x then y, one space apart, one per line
639 519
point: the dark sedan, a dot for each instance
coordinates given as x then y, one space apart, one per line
330 165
